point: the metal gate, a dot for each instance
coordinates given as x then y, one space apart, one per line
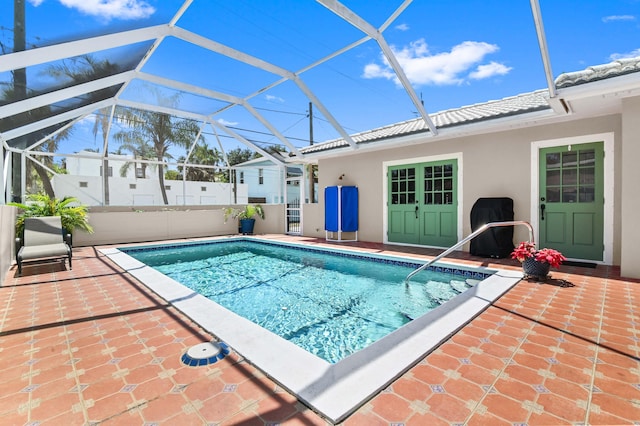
293 214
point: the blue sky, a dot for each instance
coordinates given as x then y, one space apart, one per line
455 53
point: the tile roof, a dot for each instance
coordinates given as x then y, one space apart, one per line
519 104
599 72
528 102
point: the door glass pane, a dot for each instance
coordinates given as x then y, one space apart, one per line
437 171
569 159
448 184
587 157
569 177
448 170
553 160
587 194
569 194
448 197
587 176
437 198
553 195
553 177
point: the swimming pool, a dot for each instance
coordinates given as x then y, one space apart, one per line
330 304
332 389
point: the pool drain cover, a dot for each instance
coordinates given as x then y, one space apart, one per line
205 353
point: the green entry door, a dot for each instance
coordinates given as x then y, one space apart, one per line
571 214
423 203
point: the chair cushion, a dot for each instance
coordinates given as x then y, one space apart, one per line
48 250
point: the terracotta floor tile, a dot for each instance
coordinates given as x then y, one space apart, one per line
163 408
516 389
504 407
449 408
564 408
549 333
221 407
391 407
279 406
412 389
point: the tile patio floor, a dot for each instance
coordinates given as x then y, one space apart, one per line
93 346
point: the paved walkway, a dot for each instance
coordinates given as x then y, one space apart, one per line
93 346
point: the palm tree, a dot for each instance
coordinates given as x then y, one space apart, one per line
86 68
201 155
160 129
140 149
102 122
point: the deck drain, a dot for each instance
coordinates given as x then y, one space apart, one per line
205 353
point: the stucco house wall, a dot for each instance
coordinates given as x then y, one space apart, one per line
629 199
494 164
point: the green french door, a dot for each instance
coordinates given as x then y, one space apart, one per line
571 208
423 203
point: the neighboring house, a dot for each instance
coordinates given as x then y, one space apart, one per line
265 180
88 163
567 159
140 185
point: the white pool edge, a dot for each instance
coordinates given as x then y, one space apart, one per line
333 390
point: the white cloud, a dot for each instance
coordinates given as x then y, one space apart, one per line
632 54
489 70
402 27
272 98
227 123
35 3
112 9
446 68
612 18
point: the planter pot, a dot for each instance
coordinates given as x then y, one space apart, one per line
533 268
246 226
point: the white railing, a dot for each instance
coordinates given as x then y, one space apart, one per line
467 239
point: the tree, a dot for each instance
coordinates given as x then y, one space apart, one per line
140 149
86 68
159 130
201 155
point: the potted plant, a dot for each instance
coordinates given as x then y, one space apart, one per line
73 215
536 263
245 216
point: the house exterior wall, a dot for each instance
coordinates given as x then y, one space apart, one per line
272 182
491 165
85 166
630 189
7 231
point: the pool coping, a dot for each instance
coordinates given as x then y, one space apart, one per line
333 390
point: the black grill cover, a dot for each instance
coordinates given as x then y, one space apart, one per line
494 242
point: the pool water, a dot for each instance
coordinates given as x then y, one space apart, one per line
330 304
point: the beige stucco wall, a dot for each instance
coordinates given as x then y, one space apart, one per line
492 165
7 239
630 189
122 225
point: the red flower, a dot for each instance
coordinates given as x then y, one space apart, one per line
527 249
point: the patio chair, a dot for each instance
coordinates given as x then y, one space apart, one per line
43 239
